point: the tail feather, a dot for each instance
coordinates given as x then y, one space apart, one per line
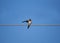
28 26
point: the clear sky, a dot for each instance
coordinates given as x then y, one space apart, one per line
40 11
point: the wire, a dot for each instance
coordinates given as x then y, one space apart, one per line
31 25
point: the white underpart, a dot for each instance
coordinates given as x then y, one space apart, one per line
29 22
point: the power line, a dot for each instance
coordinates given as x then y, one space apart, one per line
31 25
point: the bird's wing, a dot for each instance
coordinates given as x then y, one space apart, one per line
24 21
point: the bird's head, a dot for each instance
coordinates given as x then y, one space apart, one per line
29 19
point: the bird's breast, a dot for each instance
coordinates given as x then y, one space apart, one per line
29 22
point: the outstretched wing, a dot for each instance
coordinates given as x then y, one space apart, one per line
24 21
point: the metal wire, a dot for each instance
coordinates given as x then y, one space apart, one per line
31 25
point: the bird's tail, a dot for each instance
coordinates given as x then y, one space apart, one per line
28 26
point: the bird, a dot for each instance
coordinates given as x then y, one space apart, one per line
29 21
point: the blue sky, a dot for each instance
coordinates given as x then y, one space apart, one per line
40 11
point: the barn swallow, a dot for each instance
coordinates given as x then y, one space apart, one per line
28 22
